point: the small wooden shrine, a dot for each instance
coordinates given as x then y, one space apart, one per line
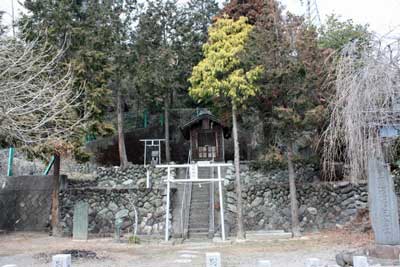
206 134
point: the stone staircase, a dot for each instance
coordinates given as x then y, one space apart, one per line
199 211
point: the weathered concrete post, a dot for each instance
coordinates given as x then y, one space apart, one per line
55 213
383 203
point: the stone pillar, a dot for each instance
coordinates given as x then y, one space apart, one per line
80 221
383 203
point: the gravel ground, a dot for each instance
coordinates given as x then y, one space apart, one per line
35 249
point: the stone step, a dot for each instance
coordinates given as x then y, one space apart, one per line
199 220
200 197
195 214
199 236
198 230
199 204
267 235
193 228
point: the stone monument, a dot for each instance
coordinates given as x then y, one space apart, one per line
383 203
80 221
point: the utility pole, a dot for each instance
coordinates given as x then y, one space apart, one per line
13 17
311 12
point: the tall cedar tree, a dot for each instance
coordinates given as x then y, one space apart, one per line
222 75
168 45
94 36
157 71
291 99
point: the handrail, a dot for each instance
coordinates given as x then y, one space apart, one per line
186 202
200 164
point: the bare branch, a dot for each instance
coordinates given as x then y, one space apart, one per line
367 99
38 102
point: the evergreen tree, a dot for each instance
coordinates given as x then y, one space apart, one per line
157 69
95 34
252 9
291 99
168 44
222 75
335 33
198 16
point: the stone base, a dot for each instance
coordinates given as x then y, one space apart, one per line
220 241
384 251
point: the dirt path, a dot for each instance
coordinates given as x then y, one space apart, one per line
35 249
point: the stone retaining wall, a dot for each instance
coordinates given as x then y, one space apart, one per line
107 204
114 193
321 205
266 201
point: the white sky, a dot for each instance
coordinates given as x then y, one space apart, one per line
382 15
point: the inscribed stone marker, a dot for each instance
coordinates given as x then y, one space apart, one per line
360 261
80 221
61 260
213 259
383 203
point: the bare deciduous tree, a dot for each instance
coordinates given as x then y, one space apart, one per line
367 99
38 104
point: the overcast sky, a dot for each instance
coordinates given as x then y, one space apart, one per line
382 15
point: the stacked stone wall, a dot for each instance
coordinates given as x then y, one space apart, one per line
118 193
321 205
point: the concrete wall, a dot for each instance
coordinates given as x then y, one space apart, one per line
25 202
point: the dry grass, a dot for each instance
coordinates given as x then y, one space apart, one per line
24 248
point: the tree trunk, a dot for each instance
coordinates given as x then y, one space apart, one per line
166 124
123 159
293 197
240 228
55 213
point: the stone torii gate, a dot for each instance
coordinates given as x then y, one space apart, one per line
193 178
